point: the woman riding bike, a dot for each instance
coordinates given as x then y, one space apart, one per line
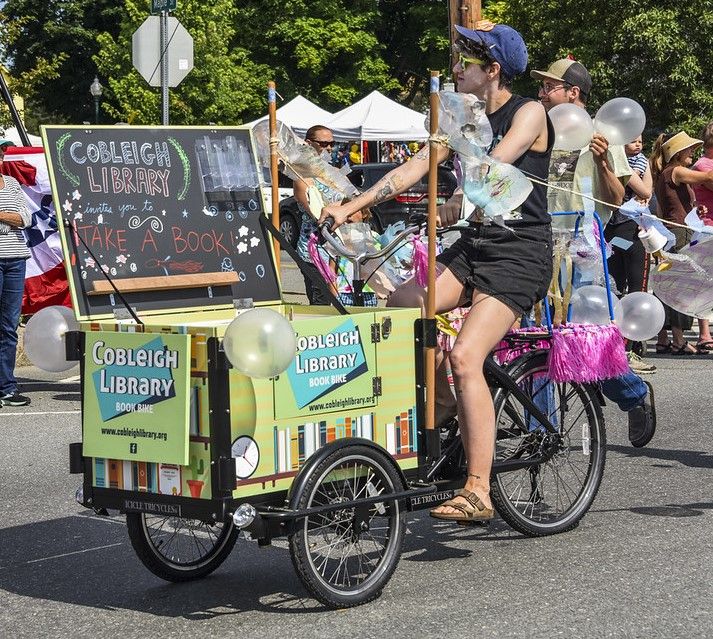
500 272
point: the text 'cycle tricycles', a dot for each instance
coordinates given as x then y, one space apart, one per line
163 239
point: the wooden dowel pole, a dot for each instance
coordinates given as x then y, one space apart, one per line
274 177
430 364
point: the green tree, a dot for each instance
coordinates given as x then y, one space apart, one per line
223 86
652 51
326 50
415 37
49 45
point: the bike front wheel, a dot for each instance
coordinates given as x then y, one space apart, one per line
346 556
553 493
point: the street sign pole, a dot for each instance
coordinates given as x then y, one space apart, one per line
164 67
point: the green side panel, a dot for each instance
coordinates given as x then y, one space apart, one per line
271 444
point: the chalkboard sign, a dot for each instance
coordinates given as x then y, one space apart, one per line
172 215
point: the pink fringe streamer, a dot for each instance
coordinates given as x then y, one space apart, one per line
507 351
587 353
582 353
317 260
420 261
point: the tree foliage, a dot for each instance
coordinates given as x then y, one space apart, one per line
224 84
48 45
334 52
653 51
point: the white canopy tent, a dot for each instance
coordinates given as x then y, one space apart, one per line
12 134
378 118
299 114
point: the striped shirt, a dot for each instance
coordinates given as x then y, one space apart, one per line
12 200
638 164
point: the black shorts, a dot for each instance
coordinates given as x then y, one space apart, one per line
511 265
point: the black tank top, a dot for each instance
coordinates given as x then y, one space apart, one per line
531 163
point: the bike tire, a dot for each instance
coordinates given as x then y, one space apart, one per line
349 472
180 549
552 506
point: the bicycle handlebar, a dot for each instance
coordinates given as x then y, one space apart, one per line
326 231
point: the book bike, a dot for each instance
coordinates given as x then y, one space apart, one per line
331 453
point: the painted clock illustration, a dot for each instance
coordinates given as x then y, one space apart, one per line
247 456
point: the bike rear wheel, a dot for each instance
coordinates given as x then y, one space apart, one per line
177 549
553 494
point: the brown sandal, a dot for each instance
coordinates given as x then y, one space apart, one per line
474 510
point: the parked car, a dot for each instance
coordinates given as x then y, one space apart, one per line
414 200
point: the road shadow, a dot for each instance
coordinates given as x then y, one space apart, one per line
690 458
667 510
428 539
34 386
88 561
68 397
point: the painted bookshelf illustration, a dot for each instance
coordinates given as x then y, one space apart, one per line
126 475
401 435
149 477
293 445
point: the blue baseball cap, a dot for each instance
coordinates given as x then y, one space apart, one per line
504 44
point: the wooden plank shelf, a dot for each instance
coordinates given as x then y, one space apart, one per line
164 282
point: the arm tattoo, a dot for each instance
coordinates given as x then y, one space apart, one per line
383 193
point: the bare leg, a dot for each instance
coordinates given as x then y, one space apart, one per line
487 323
704 331
662 338
678 338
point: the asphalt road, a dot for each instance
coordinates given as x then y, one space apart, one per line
639 565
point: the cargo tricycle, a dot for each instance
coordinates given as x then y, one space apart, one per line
164 246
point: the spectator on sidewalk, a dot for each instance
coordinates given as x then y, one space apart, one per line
629 262
671 158
14 253
704 200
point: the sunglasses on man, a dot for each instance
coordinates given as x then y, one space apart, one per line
324 144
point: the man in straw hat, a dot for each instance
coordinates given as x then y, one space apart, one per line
500 274
567 81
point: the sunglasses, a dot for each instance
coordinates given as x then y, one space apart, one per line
548 88
322 143
465 61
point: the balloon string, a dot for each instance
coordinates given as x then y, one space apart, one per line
536 180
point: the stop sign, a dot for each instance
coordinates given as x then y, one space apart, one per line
146 51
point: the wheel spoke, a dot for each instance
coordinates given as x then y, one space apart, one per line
551 491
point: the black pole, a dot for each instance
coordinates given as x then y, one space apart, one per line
96 109
7 97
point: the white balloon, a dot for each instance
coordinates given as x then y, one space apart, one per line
590 306
620 120
639 316
573 127
260 343
44 341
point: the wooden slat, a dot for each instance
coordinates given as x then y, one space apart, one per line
164 282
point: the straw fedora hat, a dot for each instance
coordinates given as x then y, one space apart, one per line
679 142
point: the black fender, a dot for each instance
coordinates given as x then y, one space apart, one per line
518 362
325 451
